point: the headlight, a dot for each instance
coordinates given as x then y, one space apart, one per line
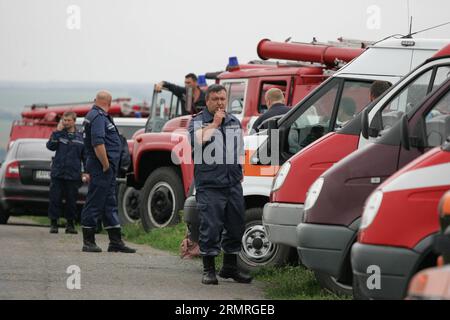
281 176
373 203
313 193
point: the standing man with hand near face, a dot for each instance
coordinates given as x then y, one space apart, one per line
103 147
66 171
217 138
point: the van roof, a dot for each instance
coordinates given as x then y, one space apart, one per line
393 57
405 43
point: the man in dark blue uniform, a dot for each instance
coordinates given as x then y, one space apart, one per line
66 171
103 148
216 139
275 103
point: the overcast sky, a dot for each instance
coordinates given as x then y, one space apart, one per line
147 41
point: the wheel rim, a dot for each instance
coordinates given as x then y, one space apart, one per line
161 204
256 247
130 205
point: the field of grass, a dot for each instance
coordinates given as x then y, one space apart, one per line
286 283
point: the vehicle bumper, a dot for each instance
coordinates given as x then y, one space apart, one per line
396 266
280 221
324 247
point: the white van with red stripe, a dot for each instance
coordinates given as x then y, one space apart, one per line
399 223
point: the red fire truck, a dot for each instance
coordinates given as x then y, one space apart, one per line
40 120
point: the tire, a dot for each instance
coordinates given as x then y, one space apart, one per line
4 216
162 197
357 293
128 199
257 251
331 284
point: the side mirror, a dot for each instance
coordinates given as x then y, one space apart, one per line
404 133
272 123
365 124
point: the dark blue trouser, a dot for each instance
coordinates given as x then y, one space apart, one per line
101 200
222 219
63 189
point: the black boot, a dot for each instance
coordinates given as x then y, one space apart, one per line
209 270
89 244
70 227
54 226
115 242
230 270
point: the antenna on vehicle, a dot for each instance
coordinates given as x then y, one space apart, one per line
409 35
431 28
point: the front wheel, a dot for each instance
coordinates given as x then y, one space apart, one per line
257 251
331 284
128 199
162 197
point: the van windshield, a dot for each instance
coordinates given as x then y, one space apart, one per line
333 105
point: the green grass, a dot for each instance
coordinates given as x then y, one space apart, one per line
293 283
286 283
168 239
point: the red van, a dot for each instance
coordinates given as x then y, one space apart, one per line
400 221
335 201
434 283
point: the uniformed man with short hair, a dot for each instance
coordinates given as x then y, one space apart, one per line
217 142
103 147
66 171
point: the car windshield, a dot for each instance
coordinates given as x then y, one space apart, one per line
33 150
128 131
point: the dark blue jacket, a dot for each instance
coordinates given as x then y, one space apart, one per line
217 162
276 110
99 128
69 156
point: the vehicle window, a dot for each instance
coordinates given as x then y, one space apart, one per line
314 122
406 100
437 122
175 107
355 96
262 106
236 94
128 131
33 150
442 74
162 104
